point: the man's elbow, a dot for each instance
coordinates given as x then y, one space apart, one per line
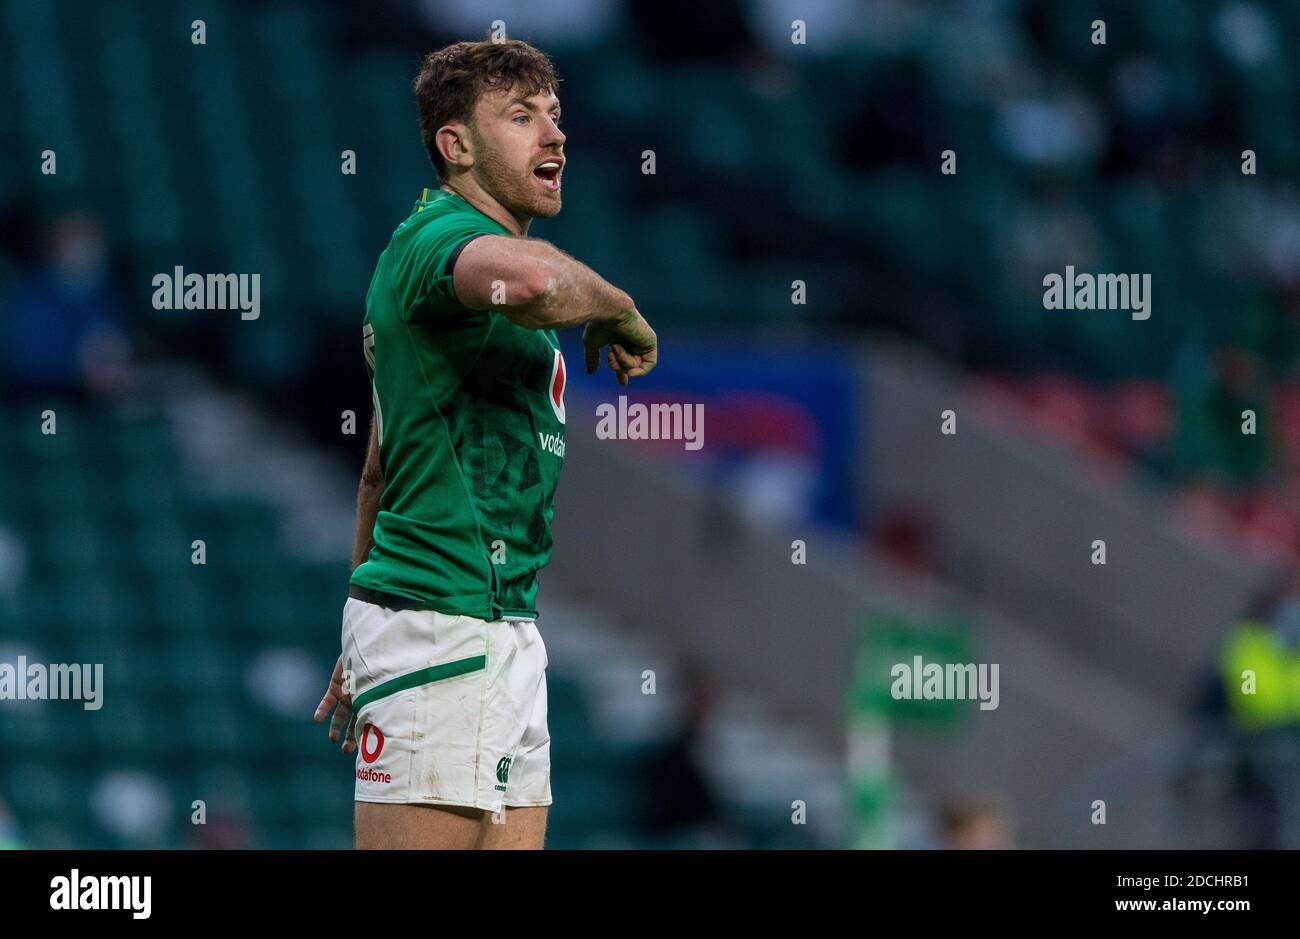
534 288
531 302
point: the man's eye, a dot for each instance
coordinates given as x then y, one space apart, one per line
521 117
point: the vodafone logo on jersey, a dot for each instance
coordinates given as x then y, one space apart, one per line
556 386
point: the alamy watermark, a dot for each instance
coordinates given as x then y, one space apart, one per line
76 891
932 681
38 682
1098 292
657 421
181 291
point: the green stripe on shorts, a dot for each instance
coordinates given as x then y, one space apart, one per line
423 677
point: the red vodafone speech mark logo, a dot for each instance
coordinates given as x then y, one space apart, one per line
557 386
367 754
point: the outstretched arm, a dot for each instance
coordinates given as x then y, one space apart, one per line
538 286
534 283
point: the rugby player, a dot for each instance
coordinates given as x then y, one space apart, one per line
441 682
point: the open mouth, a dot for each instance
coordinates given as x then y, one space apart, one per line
549 174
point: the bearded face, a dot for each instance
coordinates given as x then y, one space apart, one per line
519 152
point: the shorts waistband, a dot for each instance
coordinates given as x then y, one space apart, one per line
389 601
392 601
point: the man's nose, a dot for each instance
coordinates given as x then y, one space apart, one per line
552 135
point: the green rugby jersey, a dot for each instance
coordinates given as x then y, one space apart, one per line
469 409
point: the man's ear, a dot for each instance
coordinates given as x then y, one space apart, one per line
454 144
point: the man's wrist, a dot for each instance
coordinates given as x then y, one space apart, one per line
623 311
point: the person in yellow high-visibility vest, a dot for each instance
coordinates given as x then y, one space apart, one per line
1259 671
1261 674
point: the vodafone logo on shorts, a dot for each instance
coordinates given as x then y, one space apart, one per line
372 744
371 734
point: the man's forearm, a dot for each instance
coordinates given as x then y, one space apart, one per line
573 294
367 511
535 284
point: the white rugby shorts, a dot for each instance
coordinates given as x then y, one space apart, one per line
451 710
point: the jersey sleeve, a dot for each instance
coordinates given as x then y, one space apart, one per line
431 260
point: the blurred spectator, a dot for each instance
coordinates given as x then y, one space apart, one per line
1260 670
1250 706
907 535
974 822
1209 438
62 333
677 796
226 829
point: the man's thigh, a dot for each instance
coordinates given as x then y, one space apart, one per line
381 825
513 829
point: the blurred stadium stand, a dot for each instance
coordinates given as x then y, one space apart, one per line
212 669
